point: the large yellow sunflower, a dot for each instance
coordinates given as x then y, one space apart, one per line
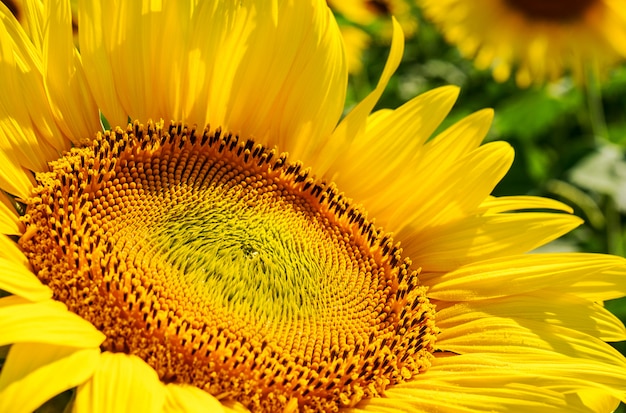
182 267
540 39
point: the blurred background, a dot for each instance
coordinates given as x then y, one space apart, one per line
567 124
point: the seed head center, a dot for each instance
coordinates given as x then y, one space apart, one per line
558 11
224 266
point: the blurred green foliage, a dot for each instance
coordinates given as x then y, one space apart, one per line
569 139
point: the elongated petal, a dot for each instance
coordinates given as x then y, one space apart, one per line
474 383
459 139
564 375
493 205
9 222
542 306
10 251
44 322
261 86
95 46
603 286
190 399
520 274
355 122
121 381
506 336
19 280
305 44
390 143
14 179
452 190
473 239
66 86
48 369
29 124
449 399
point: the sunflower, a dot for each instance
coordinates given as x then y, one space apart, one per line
190 265
541 39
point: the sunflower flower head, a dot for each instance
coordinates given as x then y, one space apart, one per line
253 252
537 40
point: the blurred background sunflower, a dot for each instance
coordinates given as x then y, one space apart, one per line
538 39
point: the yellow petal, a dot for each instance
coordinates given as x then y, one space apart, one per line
602 286
28 124
276 73
119 382
190 399
32 20
474 383
34 373
451 190
521 274
452 399
459 139
95 47
284 82
493 205
44 322
598 401
568 375
531 339
13 178
19 280
355 122
9 221
142 52
450 246
542 306
10 250
66 86
391 141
